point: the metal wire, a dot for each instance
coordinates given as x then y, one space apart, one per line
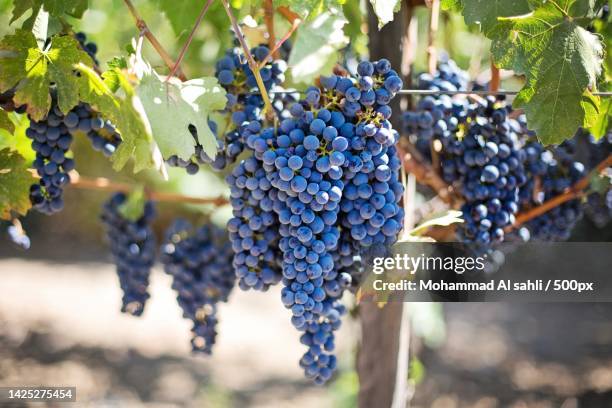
433 92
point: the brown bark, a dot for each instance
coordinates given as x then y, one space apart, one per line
380 327
377 355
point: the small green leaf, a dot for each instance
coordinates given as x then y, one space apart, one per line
16 139
15 181
439 220
601 125
133 207
5 122
384 10
172 106
600 183
316 46
32 71
181 14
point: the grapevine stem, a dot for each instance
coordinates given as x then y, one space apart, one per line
495 78
177 64
269 19
251 61
424 173
273 51
104 184
434 19
571 193
142 26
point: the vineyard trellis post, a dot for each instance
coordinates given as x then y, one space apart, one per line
377 363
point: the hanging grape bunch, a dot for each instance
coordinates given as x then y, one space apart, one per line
133 248
199 261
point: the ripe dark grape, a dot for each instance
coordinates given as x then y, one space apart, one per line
133 247
199 261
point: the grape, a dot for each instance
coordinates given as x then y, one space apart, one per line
132 245
199 261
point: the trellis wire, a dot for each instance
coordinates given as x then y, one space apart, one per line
428 92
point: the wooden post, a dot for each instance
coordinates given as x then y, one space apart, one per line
380 327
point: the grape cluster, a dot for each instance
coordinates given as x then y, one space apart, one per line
448 76
199 261
253 230
244 105
436 117
551 172
51 140
327 177
133 248
485 164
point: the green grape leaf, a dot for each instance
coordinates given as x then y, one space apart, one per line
600 127
316 47
311 8
56 8
16 138
560 60
15 181
32 70
133 207
384 10
170 107
455 5
486 12
181 14
443 219
600 183
5 122
125 114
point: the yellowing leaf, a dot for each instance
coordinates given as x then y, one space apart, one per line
137 143
31 71
15 181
